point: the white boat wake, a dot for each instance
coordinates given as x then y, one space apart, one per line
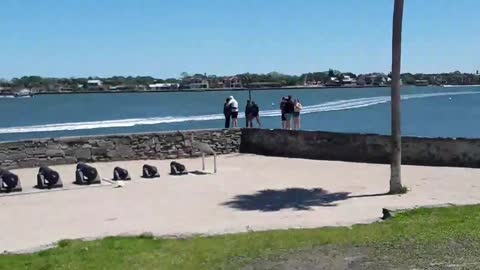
339 105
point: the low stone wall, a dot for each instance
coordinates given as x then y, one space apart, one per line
35 153
368 148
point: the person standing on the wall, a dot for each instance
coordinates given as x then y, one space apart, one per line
248 115
289 109
296 114
227 111
234 109
282 110
256 114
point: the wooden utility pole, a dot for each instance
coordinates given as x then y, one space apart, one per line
396 158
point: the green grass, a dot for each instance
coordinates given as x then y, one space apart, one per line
435 228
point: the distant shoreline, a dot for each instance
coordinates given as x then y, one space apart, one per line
231 89
207 90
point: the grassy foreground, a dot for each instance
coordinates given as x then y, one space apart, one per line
440 236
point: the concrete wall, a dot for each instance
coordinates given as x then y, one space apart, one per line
35 153
361 147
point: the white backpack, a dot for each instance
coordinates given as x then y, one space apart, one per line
298 107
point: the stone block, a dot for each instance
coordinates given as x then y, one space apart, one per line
69 152
3 156
125 151
17 156
31 162
66 160
83 154
39 156
99 151
94 142
127 140
145 145
63 146
122 151
54 153
113 154
105 144
9 165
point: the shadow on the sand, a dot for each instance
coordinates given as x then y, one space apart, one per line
290 198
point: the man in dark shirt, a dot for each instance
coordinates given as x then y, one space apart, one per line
256 113
289 109
227 111
282 109
248 114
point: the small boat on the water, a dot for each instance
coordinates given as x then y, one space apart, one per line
24 93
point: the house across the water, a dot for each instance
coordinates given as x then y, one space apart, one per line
421 83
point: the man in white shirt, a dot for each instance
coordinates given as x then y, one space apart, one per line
234 105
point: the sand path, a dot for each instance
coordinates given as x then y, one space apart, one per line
303 194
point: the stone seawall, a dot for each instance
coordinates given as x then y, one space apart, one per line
369 148
33 153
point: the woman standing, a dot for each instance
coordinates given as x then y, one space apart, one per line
227 111
289 109
248 115
296 114
256 113
282 109
234 109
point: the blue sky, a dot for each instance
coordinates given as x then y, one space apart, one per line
162 38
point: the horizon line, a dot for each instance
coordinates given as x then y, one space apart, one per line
207 74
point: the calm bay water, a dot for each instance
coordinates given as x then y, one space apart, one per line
426 111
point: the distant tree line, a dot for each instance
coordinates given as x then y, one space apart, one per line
247 79
452 78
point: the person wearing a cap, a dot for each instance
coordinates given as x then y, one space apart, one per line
227 112
289 110
234 106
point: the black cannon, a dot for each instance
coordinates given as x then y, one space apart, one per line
120 174
48 178
9 182
86 175
177 168
150 171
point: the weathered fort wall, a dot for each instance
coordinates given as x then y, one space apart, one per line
294 144
33 153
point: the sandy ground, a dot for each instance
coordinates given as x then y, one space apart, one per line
248 193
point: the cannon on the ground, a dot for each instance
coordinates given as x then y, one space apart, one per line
120 174
9 182
150 171
48 178
177 168
86 175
